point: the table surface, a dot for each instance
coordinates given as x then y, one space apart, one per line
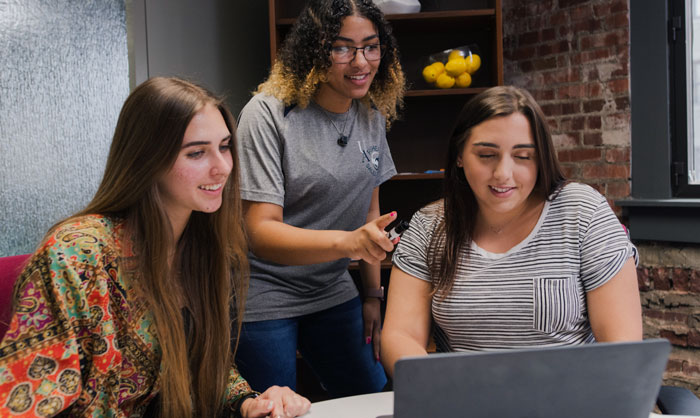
375 405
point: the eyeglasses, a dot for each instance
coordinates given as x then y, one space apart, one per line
345 54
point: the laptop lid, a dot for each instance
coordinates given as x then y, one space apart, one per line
600 380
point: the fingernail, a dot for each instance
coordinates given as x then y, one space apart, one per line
270 405
377 358
393 214
368 340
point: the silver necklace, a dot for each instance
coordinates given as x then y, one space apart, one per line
343 138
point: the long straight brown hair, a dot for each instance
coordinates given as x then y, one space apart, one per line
460 207
146 143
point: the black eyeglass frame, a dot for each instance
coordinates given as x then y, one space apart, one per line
382 51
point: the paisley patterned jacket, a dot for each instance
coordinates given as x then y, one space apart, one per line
80 342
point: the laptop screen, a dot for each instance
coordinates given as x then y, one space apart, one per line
595 380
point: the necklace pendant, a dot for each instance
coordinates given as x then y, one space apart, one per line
343 140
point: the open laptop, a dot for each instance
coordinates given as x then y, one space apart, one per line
604 380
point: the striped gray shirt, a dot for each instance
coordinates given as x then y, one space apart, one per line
534 294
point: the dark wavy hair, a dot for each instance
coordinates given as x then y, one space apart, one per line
460 207
304 58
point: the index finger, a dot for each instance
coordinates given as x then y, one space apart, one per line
384 220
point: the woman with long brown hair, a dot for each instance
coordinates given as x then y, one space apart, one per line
514 256
124 310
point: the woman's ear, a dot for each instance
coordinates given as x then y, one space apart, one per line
459 161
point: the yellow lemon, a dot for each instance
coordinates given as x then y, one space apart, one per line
463 80
456 66
430 74
440 67
473 62
444 81
456 53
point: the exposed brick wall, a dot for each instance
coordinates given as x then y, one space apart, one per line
573 56
669 285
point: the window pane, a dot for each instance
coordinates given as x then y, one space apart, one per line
694 94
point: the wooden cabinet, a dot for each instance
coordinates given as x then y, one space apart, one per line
418 141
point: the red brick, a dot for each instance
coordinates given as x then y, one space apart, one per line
595 55
618 190
581 12
619 6
695 281
564 75
571 92
593 138
593 106
619 86
568 3
675 339
643 279
680 279
601 10
617 155
622 103
667 316
593 122
570 108
694 338
528 38
623 71
570 171
544 63
573 124
526 66
586 26
548 34
559 18
551 109
594 90
618 20
574 155
674 366
543 94
602 171
524 52
690 369
660 278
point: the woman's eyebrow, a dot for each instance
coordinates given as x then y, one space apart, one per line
341 38
492 145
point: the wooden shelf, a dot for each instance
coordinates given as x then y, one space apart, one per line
433 17
443 92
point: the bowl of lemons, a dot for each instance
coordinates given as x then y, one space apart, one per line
452 68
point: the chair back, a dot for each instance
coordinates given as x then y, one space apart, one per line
10 268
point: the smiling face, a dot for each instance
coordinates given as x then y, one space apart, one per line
500 166
350 80
196 180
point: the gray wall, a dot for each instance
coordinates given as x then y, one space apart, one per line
223 44
68 65
64 77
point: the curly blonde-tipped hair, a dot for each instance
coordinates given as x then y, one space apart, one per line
304 59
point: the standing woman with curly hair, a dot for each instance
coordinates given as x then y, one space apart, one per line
125 308
313 154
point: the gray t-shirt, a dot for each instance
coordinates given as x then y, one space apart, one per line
290 157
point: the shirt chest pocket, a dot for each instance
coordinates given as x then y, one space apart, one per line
557 304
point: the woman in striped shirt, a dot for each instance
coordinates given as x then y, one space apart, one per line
514 256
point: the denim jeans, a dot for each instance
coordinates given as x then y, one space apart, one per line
331 342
